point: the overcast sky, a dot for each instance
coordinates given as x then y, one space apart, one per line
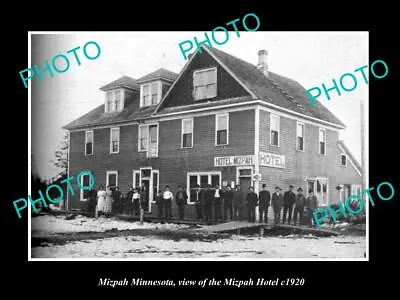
311 58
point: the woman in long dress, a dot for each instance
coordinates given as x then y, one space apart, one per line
107 209
101 199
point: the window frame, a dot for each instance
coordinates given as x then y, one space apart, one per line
319 141
139 137
182 133
110 173
119 139
159 92
216 82
121 100
86 133
83 191
297 137
279 129
341 161
217 116
135 174
198 174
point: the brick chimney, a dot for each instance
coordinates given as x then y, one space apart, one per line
262 62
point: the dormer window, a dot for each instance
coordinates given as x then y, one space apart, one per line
150 94
114 100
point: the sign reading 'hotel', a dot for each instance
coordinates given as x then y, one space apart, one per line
265 160
226 161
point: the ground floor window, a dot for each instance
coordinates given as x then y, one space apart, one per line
202 179
320 187
112 179
86 180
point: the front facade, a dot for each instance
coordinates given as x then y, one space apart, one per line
220 121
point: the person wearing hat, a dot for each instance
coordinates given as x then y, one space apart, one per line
311 204
136 201
208 205
288 202
299 206
252 202
181 201
237 203
167 200
265 200
277 201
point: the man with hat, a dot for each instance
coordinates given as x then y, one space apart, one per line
237 203
311 204
299 206
288 202
277 201
208 203
265 198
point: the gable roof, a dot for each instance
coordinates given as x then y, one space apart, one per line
159 74
274 89
351 157
124 81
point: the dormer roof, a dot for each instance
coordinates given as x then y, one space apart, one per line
160 74
123 82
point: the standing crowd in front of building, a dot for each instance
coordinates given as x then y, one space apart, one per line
212 204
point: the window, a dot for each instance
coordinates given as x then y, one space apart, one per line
343 160
202 179
322 141
151 94
143 137
222 129
300 136
89 143
274 130
136 178
205 84
86 180
321 191
112 179
114 140
156 187
148 139
117 100
114 100
187 133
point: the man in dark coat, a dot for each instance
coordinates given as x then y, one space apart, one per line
116 206
92 201
228 197
237 203
311 204
197 196
288 202
218 194
208 199
265 200
277 201
181 201
252 202
299 206
128 204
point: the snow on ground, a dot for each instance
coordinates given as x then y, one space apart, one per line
143 247
56 224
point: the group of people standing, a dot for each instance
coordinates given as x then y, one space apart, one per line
210 203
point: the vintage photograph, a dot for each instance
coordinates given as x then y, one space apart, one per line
220 156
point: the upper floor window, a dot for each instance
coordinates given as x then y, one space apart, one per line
114 140
187 133
205 84
114 100
300 136
89 143
222 129
343 160
150 94
322 141
274 130
148 139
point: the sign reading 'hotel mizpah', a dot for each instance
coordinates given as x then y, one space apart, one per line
265 159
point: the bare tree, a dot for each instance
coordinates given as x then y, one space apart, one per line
61 154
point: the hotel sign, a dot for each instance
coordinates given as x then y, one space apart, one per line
227 161
271 160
